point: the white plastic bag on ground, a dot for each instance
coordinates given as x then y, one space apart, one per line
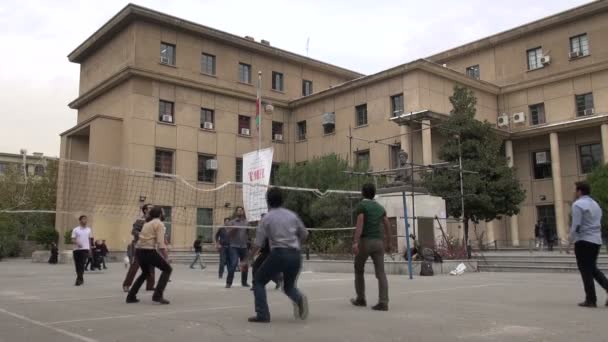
459 269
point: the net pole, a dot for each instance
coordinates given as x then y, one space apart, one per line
407 237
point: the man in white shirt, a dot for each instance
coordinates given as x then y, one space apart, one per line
81 237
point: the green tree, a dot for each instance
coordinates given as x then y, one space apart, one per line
490 189
598 180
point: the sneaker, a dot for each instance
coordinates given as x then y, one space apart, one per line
228 286
256 319
125 288
380 307
587 305
79 282
358 302
300 309
161 300
246 285
131 300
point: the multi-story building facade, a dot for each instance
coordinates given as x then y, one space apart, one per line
163 94
34 164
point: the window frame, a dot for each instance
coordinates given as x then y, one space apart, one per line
157 167
238 175
204 65
206 112
172 58
242 73
301 127
580 45
537 56
205 232
595 163
278 81
359 113
358 155
548 172
579 112
276 124
476 71
164 103
539 114
394 107
203 175
393 151
248 119
306 91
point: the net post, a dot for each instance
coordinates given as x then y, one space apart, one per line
407 236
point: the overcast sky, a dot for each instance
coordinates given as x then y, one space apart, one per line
37 81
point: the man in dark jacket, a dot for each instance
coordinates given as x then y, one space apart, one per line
222 243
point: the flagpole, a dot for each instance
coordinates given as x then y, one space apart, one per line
258 108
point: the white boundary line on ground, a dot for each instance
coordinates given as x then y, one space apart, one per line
47 326
172 312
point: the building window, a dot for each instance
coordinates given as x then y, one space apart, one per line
306 88
39 170
168 213
362 160
361 115
277 131
207 118
591 157
163 162
542 164
537 114
165 111
396 105
473 71
207 166
245 73
534 58
546 213
277 81
208 64
302 130
584 104
3 168
167 54
394 155
244 125
274 173
204 224
579 45
238 177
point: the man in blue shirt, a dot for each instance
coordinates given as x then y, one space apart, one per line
586 234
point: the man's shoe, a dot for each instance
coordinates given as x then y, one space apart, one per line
358 302
228 286
300 309
191 267
160 301
79 282
380 307
587 305
131 300
125 288
246 285
203 267
256 319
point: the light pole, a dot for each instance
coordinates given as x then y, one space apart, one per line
24 156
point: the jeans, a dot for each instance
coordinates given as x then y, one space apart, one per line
281 260
224 250
131 275
80 258
199 259
148 259
234 255
586 259
375 249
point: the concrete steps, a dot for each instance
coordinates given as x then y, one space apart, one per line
526 262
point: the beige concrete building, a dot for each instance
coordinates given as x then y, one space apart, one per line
161 93
35 163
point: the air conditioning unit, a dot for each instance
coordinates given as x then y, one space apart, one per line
208 125
245 131
503 120
278 137
329 119
211 164
575 54
544 60
542 158
519 117
589 111
268 108
167 118
164 60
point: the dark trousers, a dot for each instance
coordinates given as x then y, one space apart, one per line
586 259
373 248
133 271
257 263
80 258
103 261
281 260
149 259
234 255
224 250
198 258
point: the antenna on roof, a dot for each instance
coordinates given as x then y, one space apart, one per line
307 45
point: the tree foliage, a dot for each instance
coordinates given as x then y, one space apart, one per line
491 189
598 180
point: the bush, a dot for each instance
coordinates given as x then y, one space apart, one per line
46 236
9 244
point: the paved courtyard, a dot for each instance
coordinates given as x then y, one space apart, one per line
38 302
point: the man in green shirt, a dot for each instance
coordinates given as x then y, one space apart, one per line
369 241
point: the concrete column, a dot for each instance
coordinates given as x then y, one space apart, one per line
490 229
513 221
405 139
427 144
558 199
605 141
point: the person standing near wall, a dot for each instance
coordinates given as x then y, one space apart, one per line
198 250
81 237
239 237
222 244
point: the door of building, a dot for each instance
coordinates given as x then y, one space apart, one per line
426 232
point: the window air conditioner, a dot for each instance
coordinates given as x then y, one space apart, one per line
211 164
245 131
164 60
544 60
208 125
278 137
167 118
575 54
589 111
541 158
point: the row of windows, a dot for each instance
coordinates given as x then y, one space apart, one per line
164 163
209 66
590 157
583 102
579 47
